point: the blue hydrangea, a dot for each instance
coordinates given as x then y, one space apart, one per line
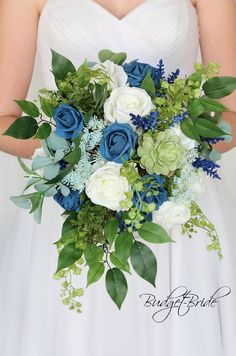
153 191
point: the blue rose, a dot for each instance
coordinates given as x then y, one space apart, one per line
69 203
137 71
153 191
117 143
69 121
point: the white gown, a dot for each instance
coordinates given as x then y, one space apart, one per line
33 321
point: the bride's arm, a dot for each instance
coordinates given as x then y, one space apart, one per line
18 33
217 24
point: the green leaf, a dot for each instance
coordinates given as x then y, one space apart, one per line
93 254
46 107
43 131
28 108
212 105
188 128
36 201
23 166
73 156
24 127
123 244
105 54
61 66
117 262
195 108
144 262
95 272
22 201
63 173
110 230
219 87
154 233
119 58
116 286
206 128
148 85
68 255
100 95
38 211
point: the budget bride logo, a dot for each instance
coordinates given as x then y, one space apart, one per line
181 301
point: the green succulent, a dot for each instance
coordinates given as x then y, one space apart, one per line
161 152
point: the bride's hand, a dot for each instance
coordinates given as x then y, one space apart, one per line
18 33
217 25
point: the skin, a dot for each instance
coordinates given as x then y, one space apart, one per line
18 33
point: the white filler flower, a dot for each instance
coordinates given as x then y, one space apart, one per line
116 73
171 214
107 187
126 100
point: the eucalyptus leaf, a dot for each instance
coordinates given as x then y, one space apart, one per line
22 201
56 142
35 201
23 128
23 166
116 286
105 54
40 162
144 261
45 189
51 171
38 211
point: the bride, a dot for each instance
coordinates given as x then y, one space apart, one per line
33 322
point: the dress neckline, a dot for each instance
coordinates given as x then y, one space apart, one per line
137 8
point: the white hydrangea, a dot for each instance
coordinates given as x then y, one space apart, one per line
172 214
115 73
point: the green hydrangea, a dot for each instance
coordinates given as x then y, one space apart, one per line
161 153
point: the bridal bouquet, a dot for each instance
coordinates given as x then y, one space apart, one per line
124 151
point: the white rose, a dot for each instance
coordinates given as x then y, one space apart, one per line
171 214
116 73
126 100
186 142
107 187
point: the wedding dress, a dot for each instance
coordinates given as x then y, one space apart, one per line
33 321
